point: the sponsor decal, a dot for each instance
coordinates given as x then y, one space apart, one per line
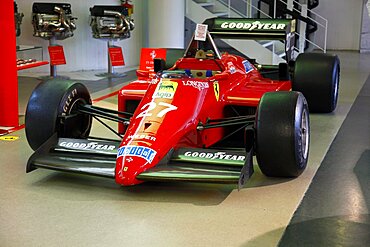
165 90
144 152
215 156
155 80
87 146
231 67
250 26
196 84
216 88
247 66
142 137
148 108
68 101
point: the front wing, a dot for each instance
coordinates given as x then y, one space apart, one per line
98 158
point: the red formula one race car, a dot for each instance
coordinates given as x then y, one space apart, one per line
201 120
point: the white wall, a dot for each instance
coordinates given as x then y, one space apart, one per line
82 51
344 23
166 23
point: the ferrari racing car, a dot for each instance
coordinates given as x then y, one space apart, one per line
199 119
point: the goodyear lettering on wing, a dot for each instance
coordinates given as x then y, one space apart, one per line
250 26
165 89
87 146
144 152
215 156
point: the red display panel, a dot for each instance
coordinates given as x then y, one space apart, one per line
116 56
56 54
147 56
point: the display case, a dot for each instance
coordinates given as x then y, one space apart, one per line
29 57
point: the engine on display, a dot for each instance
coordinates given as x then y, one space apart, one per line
53 20
110 22
17 20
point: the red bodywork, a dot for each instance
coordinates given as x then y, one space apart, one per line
170 109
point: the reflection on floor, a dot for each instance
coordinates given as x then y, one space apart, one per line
47 208
335 209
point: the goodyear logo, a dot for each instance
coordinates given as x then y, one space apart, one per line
165 90
144 152
257 25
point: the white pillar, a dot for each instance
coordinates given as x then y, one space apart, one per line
302 28
166 23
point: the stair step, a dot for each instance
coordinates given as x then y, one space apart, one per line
221 14
205 5
266 43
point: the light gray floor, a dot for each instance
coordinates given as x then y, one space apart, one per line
46 208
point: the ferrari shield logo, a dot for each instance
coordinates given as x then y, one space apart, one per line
216 88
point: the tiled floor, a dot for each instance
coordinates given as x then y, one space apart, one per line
46 208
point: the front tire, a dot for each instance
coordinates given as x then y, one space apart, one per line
52 108
282 134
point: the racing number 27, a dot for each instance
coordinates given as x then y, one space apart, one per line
149 107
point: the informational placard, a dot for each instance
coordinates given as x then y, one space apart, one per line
56 54
116 56
201 32
147 57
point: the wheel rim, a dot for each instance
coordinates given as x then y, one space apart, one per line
304 133
336 83
81 130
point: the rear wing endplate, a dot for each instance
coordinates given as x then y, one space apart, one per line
256 29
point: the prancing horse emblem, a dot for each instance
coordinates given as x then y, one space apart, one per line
216 88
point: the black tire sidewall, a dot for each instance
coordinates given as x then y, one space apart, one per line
278 142
48 101
317 75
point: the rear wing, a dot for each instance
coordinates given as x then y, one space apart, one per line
256 29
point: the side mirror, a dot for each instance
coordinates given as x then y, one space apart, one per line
159 64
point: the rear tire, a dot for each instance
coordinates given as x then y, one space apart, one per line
317 75
282 134
48 102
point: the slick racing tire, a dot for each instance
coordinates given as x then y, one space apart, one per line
282 134
316 75
49 104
